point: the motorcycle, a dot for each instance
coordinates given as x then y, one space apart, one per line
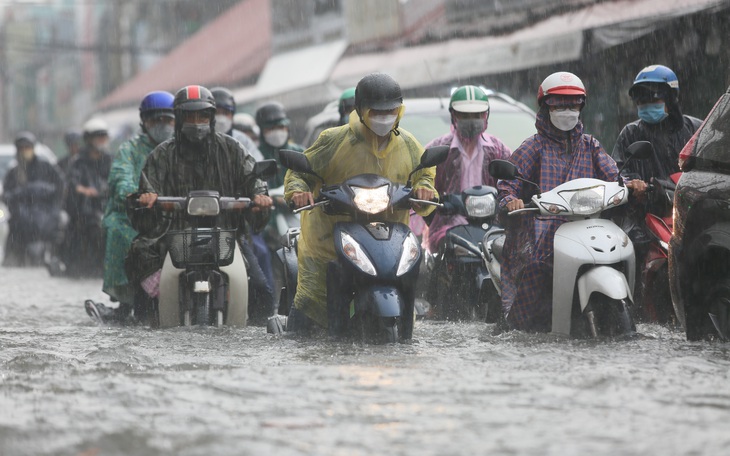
203 280
657 300
461 284
594 264
380 260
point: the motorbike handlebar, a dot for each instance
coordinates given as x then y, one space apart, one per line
426 202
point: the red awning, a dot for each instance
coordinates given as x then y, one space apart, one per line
226 51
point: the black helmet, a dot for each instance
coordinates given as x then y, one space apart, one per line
25 139
224 99
193 98
377 91
270 115
72 136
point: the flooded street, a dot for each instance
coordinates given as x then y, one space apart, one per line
69 387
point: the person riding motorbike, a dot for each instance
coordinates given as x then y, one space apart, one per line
225 106
471 151
372 142
73 140
655 92
274 126
346 105
199 158
32 192
88 190
559 152
244 122
157 126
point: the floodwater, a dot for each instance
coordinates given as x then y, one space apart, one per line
69 387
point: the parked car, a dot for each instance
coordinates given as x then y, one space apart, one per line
7 162
427 118
699 249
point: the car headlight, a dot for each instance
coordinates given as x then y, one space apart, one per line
411 253
481 206
203 206
585 201
371 200
356 255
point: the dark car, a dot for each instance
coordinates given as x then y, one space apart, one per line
699 250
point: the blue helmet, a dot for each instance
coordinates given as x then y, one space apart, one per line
158 103
657 78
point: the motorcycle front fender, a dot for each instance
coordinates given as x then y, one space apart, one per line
382 301
605 280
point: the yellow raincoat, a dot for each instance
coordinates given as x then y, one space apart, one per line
338 154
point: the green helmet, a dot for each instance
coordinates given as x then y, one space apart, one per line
469 98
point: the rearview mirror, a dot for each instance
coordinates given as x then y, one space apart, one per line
265 169
434 156
640 150
503 169
297 161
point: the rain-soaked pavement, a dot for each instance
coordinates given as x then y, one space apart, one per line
69 387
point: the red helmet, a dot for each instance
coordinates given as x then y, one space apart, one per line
560 83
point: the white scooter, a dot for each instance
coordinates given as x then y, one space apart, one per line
593 256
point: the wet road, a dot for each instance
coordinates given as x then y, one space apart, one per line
69 387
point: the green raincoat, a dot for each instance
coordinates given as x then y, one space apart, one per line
338 154
123 180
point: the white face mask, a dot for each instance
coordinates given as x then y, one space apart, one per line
381 125
565 120
223 123
276 137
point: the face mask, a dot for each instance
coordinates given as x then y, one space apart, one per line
381 125
564 120
652 113
195 132
469 128
161 132
223 123
277 137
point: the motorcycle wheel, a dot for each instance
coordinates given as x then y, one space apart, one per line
606 317
718 305
202 310
389 330
380 330
219 319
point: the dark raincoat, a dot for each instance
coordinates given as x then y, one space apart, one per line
33 194
174 169
549 158
270 152
123 180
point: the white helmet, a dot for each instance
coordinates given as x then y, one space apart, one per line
245 122
95 127
560 83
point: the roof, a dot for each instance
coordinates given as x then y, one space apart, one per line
201 59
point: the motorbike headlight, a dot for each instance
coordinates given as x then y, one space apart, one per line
410 254
481 206
371 200
356 255
585 201
203 206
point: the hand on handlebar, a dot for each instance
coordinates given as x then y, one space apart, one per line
147 199
422 194
301 199
261 202
638 187
515 204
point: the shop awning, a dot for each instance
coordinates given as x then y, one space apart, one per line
226 51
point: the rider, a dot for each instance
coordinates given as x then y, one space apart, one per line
244 122
346 105
371 142
225 108
32 191
157 125
200 158
471 151
558 153
655 93
274 125
87 193
73 140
